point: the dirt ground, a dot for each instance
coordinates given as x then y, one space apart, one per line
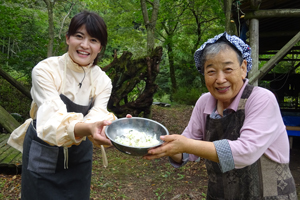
132 178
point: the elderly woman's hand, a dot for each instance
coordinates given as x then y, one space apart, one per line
173 145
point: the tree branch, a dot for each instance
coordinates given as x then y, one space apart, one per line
150 2
62 24
145 12
107 67
155 11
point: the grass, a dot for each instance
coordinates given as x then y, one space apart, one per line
130 177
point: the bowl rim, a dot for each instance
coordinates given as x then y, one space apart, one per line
125 118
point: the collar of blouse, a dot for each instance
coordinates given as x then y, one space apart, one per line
74 66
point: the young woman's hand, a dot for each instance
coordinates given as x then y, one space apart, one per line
98 132
96 129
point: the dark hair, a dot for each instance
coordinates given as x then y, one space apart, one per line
215 48
94 24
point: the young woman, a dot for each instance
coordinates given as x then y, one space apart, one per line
236 127
70 95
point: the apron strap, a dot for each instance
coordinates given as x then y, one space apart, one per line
66 158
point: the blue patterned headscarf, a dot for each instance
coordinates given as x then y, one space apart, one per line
234 40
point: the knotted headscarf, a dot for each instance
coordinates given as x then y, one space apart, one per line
234 40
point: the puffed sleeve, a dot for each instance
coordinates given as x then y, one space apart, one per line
54 124
102 88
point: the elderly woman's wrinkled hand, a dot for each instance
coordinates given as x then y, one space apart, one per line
174 144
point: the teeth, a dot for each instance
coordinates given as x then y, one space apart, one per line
222 88
81 52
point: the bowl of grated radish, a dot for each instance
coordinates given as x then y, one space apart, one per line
134 136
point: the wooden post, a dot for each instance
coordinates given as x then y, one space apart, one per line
254 40
254 43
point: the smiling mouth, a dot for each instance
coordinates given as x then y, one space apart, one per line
224 89
83 53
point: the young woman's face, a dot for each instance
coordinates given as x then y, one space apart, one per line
224 75
83 49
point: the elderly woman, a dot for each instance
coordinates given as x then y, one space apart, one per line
236 127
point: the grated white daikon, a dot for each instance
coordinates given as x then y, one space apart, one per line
137 139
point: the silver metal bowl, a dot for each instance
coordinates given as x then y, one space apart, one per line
124 125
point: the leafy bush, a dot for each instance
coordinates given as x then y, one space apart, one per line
14 101
188 96
162 98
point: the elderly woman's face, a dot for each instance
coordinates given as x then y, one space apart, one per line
224 75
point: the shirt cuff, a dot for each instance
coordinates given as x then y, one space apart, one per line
185 159
226 162
70 130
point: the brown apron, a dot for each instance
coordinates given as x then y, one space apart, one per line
264 179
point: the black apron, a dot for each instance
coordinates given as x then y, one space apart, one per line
58 173
264 179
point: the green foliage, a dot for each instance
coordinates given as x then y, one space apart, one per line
186 95
182 31
163 82
13 101
24 36
124 24
164 98
24 32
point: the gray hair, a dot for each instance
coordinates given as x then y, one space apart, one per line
214 49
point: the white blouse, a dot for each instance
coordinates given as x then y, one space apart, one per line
50 78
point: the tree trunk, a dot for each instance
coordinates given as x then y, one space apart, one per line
8 48
150 24
230 28
126 74
172 67
15 83
50 5
227 6
7 121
